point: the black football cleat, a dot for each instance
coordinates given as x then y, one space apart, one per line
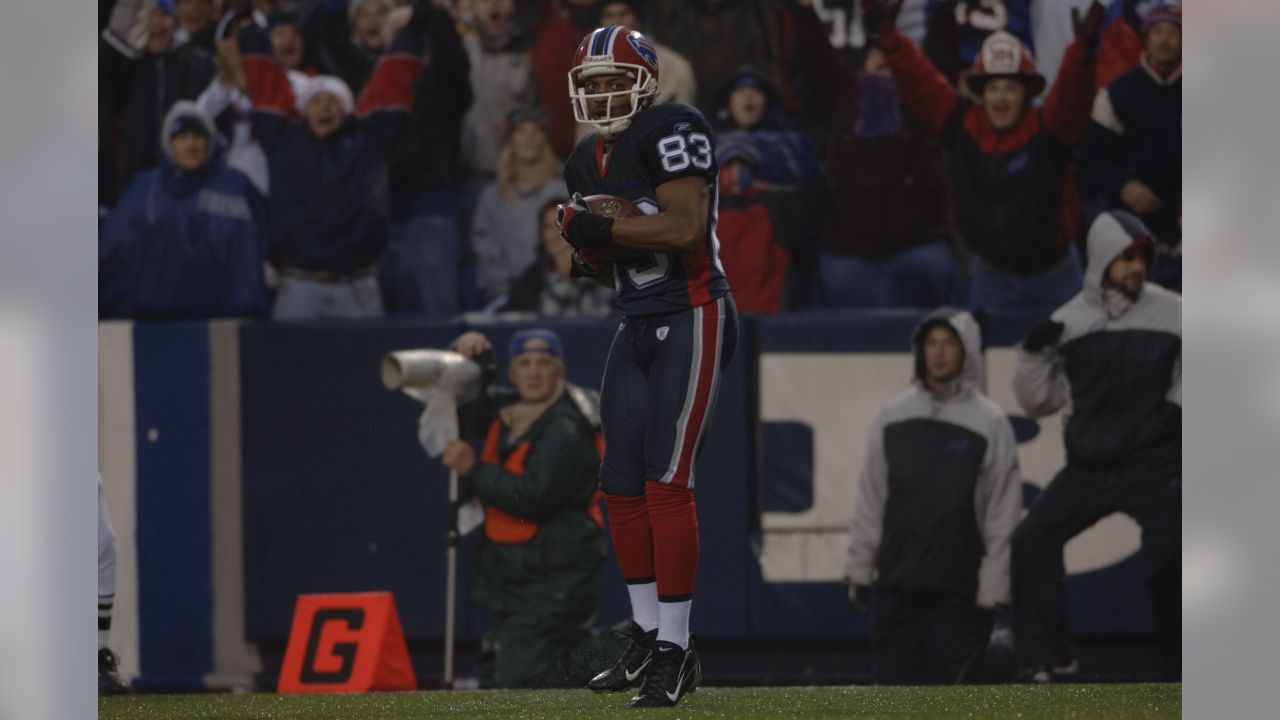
629 671
108 677
674 672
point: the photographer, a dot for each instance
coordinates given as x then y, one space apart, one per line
537 563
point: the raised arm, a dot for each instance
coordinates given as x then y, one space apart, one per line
817 61
1066 109
268 87
385 102
927 96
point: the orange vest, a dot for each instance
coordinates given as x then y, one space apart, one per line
503 527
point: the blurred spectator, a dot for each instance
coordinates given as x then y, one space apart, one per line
142 72
720 36
1113 357
561 25
752 224
748 102
676 82
419 272
287 43
937 501
330 196
505 230
536 566
347 38
186 240
227 103
885 239
1132 157
547 287
1016 204
197 20
501 80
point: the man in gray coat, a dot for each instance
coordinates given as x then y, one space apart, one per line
937 501
1112 357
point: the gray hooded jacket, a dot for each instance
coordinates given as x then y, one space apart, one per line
940 493
1116 371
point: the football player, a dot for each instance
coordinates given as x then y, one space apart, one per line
677 335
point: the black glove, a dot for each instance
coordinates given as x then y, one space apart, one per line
1087 27
859 596
581 227
1044 333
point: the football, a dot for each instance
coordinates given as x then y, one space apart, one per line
611 206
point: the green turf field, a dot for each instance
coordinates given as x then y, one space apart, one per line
1003 701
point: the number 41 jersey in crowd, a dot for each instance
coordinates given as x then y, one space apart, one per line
664 143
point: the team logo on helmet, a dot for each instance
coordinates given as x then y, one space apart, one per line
644 48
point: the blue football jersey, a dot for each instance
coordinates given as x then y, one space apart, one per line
663 143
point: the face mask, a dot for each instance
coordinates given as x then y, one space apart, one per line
879 108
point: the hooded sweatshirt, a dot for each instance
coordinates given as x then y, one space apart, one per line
940 493
1116 370
184 244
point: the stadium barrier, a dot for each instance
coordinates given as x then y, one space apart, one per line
248 464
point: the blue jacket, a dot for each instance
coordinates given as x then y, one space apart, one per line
184 245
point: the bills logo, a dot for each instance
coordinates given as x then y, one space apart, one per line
644 48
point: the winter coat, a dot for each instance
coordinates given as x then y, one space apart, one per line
184 244
330 197
1116 370
940 493
501 81
542 546
1014 192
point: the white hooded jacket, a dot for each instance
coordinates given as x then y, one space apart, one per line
940 493
1116 370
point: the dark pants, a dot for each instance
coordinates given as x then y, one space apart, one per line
522 650
1075 500
927 638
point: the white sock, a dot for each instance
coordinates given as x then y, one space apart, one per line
644 604
673 622
105 604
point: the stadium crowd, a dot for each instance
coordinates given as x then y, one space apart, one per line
362 158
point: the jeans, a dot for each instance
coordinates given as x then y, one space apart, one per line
924 276
999 290
302 299
419 271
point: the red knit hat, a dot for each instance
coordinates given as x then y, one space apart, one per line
1161 12
1004 55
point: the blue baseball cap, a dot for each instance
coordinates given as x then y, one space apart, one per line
535 340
